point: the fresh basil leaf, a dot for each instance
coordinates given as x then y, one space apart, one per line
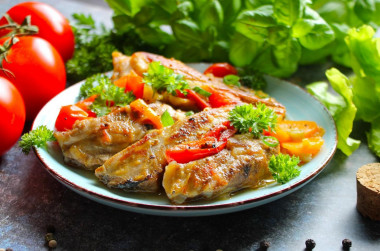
231 9
287 56
154 35
320 35
187 31
231 80
128 7
211 15
287 12
243 50
254 23
169 6
166 119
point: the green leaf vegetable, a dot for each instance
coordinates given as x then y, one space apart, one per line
358 97
107 93
248 119
232 80
246 33
37 137
94 45
284 167
166 119
164 79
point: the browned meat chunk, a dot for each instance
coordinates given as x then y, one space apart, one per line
92 141
243 163
140 167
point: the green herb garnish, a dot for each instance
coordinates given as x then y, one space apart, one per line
166 119
284 167
189 113
232 80
202 91
164 79
37 137
246 118
107 93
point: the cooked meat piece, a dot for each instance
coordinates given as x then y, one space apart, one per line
243 163
139 167
121 65
94 140
139 62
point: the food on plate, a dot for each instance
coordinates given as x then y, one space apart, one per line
140 166
35 67
92 141
157 124
368 190
243 163
52 25
12 112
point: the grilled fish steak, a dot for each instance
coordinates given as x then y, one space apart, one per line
140 166
94 140
243 163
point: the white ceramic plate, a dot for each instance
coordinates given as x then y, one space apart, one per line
300 106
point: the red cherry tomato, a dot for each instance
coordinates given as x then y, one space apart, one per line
221 69
38 72
53 26
12 112
67 117
85 105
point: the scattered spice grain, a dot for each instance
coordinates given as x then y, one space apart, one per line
264 245
52 244
310 244
347 243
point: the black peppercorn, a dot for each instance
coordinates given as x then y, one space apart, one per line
310 244
347 243
264 245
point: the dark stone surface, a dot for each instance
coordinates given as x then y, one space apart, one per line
324 210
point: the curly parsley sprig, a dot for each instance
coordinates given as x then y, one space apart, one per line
164 79
246 118
37 137
284 167
107 93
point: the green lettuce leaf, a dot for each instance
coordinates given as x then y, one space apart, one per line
374 137
341 107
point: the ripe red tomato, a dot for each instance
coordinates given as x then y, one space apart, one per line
12 112
53 26
38 72
221 70
67 117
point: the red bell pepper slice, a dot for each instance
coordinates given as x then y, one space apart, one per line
200 102
211 143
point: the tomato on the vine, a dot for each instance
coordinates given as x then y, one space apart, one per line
221 70
53 26
35 67
12 112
